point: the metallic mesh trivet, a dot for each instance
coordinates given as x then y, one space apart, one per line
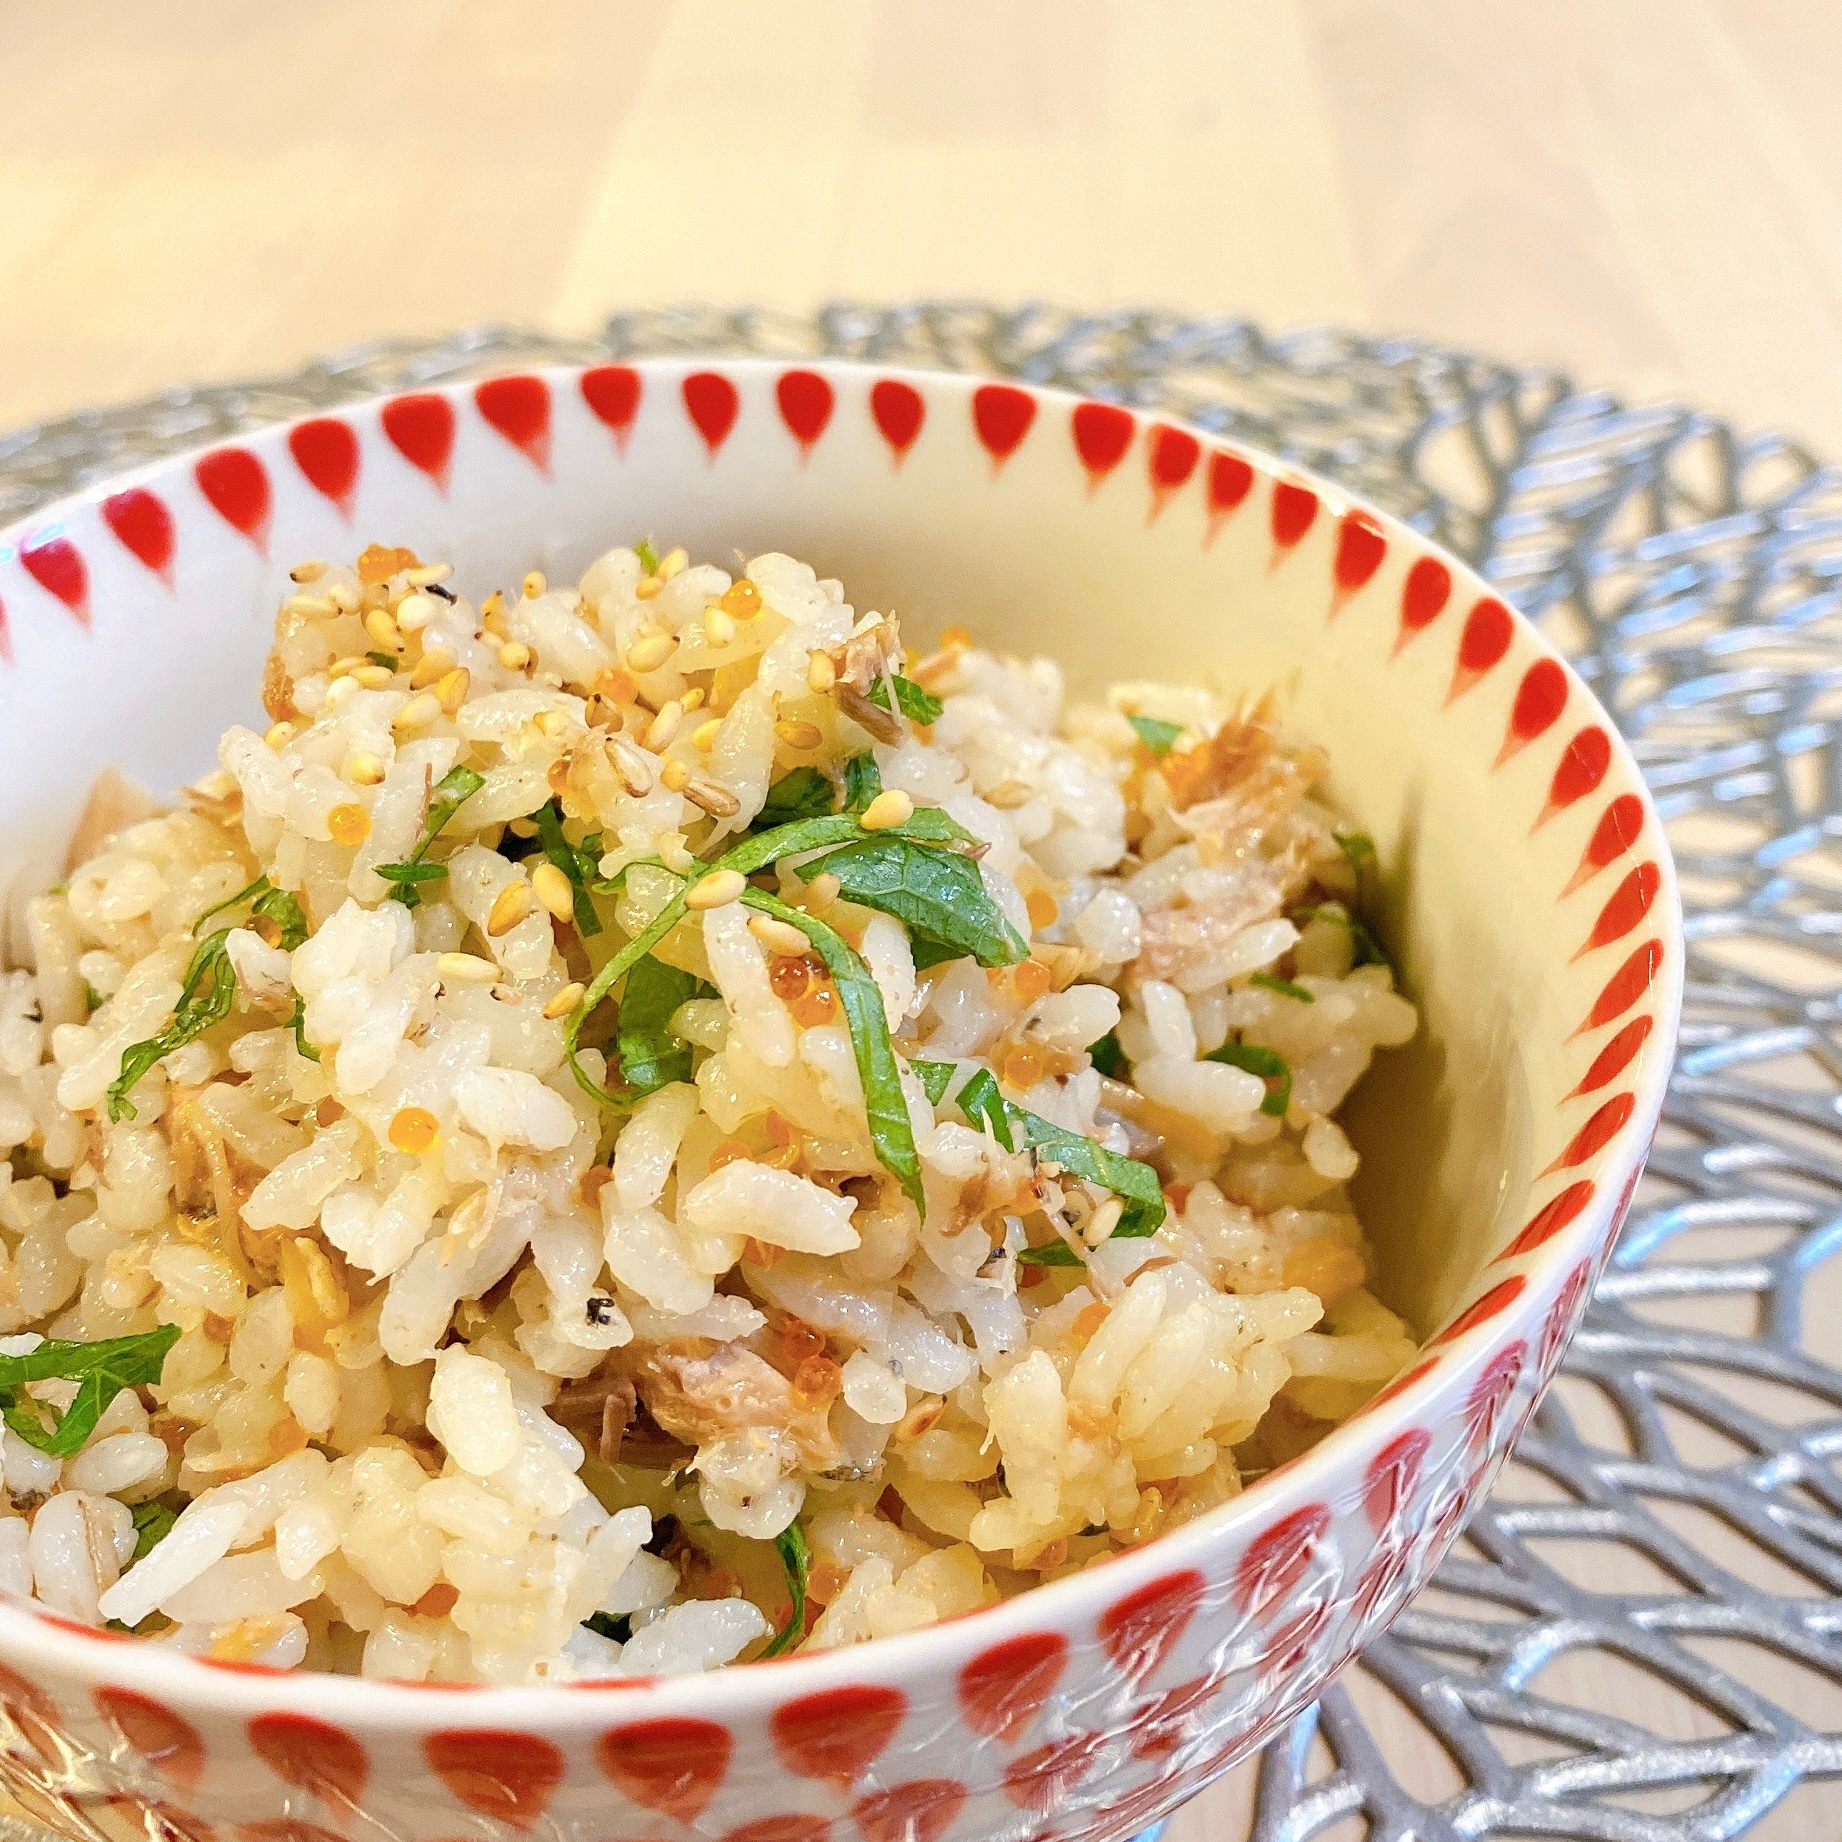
1638 1638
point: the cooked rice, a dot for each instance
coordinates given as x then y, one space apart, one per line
467 1358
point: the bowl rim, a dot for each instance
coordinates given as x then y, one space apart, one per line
34 1635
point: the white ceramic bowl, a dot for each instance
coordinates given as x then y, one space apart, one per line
1528 897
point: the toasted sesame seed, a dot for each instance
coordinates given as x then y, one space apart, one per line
799 734
821 674
650 651
704 735
311 607
510 906
778 936
616 686
435 663
344 668
280 735
716 800
676 775
1008 795
822 891
692 699
340 691
372 677
550 722
1103 1221
466 969
345 597
647 587
414 612
719 628
383 629
890 807
310 571
349 824
426 575
716 890
563 1002
451 689
533 585
521 828
364 769
554 890
418 713
663 727
514 655
675 560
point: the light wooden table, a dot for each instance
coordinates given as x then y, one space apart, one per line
1646 192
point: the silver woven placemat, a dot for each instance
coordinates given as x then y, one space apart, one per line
1638 1638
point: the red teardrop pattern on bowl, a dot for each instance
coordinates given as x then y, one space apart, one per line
1001 418
34 1712
1558 1325
1295 510
167 1741
898 410
1276 1559
503 1774
1161 1723
1392 1475
56 565
6 637
782 1829
1598 1132
421 429
1540 698
236 484
1230 480
673 1766
1040 1780
1102 433
1581 769
1402 1382
806 402
1619 828
1550 1219
519 408
286 1829
312 1755
1489 628
1499 1298
1002 1689
1171 455
1423 597
712 403
1615 1057
1625 987
1140 1629
837 1734
144 527
326 451
1629 904
920 1811
612 393
1362 546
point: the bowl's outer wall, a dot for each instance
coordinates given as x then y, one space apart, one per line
1524 885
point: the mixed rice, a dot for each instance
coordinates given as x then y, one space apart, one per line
636 1129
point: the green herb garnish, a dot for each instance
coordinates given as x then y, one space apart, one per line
1268 1064
451 792
153 1522
92 998
1013 1125
917 705
863 780
885 1105
796 1558
649 557
1359 848
939 896
100 1370
1368 950
605 1624
388 660
1107 1056
573 860
935 1078
1268 981
805 793
1157 735
298 1024
650 1055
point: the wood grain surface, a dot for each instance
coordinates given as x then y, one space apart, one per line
1647 193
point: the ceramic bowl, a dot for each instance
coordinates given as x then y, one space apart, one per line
1525 890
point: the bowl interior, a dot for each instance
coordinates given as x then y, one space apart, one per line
138 620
